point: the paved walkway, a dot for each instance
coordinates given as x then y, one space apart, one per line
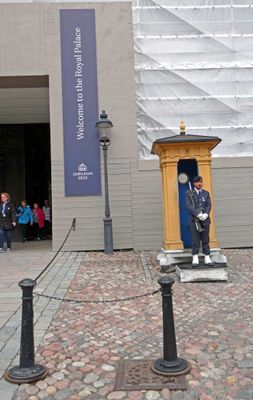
26 261
85 342
81 344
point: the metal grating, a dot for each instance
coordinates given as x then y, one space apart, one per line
137 375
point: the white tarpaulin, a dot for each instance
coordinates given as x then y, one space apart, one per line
194 62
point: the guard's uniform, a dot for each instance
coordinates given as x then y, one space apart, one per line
202 203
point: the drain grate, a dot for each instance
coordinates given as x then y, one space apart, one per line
137 375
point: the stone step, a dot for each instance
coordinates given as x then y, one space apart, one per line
202 273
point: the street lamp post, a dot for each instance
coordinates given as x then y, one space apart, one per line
104 126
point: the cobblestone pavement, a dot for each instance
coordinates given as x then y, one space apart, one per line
26 261
84 342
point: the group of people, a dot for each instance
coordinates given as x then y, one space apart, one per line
38 218
197 201
34 222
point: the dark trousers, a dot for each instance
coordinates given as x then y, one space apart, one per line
24 229
198 237
5 234
38 232
47 229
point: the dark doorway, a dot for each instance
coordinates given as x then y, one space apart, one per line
37 163
25 163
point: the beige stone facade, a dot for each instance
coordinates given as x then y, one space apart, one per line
31 92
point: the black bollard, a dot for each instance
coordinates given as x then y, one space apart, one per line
27 371
170 364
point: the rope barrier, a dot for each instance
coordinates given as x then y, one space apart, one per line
72 227
97 301
38 294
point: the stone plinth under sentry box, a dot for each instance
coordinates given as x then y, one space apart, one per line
202 273
169 259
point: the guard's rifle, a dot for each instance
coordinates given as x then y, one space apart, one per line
196 220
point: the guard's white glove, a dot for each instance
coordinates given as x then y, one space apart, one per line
200 216
204 217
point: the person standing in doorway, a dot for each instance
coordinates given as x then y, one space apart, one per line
7 221
47 212
199 205
25 217
38 221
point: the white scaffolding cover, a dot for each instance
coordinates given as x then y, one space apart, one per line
194 62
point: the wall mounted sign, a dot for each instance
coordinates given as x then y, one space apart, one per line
80 103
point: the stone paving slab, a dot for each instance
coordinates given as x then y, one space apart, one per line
85 342
27 260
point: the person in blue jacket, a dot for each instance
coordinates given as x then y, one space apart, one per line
25 217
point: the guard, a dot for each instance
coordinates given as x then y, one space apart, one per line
199 205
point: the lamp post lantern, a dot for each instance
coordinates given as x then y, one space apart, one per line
104 126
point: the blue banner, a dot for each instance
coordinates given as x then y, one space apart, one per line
80 103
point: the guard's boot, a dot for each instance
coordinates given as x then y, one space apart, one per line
195 260
208 260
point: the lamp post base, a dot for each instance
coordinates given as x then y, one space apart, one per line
26 375
171 368
108 239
